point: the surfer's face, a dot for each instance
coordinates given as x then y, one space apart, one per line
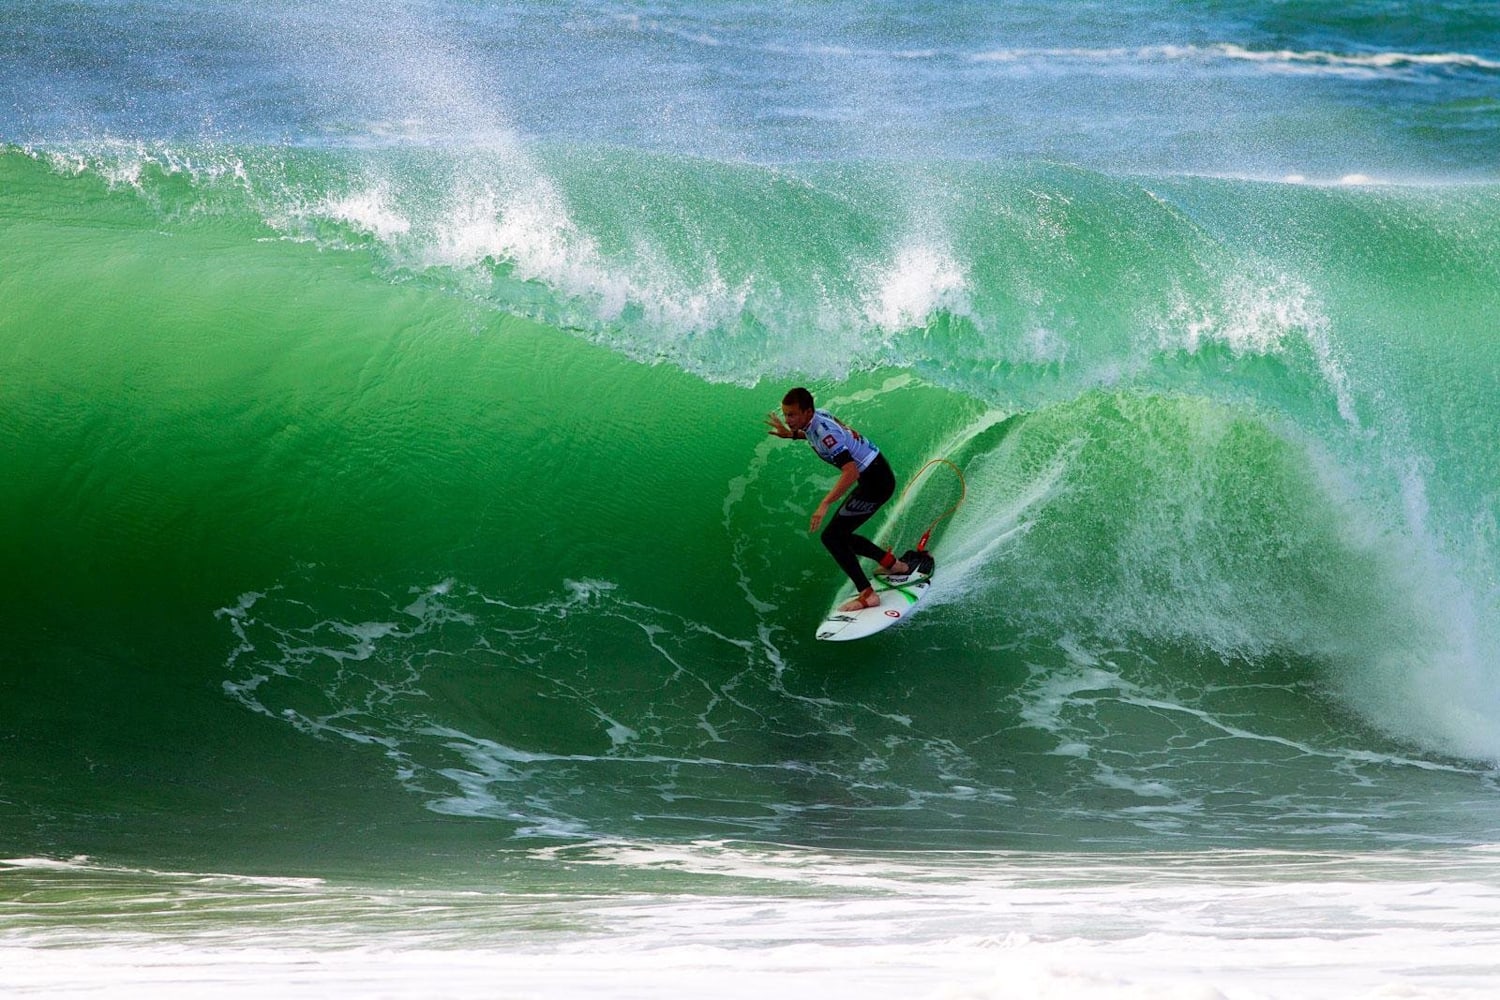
796 418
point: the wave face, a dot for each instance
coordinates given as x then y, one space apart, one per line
385 475
472 494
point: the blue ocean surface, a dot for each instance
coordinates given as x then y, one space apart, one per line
394 562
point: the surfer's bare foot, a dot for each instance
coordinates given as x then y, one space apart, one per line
898 568
867 599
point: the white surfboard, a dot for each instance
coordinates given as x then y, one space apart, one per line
896 602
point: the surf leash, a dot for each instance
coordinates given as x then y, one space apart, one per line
963 491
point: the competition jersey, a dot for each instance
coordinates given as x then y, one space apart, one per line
837 444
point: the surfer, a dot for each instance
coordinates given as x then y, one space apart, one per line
860 465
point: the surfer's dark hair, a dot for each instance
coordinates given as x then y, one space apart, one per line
798 397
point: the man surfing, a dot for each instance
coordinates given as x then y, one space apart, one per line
860 465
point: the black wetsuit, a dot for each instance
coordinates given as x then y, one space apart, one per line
839 445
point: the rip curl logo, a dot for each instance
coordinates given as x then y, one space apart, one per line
857 507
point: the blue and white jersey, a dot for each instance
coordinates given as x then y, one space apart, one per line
837 444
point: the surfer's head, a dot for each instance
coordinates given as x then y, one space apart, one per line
797 408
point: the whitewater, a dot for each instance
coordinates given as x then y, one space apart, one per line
402 596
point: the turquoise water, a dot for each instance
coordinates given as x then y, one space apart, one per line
386 498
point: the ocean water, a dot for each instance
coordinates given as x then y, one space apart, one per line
401 596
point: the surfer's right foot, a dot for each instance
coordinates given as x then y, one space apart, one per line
897 568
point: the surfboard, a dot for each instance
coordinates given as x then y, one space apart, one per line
897 600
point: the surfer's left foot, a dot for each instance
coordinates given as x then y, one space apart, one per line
897 568
867 599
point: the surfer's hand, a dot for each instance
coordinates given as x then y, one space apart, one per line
777 428
818 516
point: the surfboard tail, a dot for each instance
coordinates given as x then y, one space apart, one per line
920 560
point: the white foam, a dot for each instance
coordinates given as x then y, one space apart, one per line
1273 60
1427 676
1420 669
124 163
1257 314
531 229
368 210
1249 925
1336 62
921 279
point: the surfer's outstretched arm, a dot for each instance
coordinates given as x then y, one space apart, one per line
777 428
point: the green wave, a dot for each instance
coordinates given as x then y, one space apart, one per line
446 470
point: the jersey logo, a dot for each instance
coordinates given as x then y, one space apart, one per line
829 440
